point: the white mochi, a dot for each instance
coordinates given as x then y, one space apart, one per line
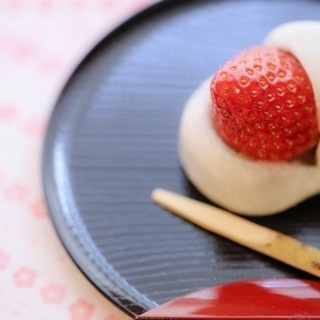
302 39
233 181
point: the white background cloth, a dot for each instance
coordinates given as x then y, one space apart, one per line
41 41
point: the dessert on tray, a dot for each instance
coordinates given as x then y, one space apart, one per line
249 135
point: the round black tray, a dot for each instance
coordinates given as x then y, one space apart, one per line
112 139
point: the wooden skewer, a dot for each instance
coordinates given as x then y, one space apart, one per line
242 231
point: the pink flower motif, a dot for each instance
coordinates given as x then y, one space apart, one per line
108 4
34 127
15 5
6 226
24 49
53 293
46 5
4 259
39 209
24 277
77 4
51 65
15 192
8 111
81 310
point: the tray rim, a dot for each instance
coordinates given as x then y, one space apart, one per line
67 239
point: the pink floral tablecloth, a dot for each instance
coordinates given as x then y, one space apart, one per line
41 41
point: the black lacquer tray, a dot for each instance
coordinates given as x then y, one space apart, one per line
112 139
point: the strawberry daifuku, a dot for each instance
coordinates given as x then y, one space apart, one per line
249 135
263 105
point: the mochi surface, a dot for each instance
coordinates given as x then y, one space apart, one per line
237 183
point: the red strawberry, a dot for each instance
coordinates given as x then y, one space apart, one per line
263 105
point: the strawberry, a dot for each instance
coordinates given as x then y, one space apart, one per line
263 105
